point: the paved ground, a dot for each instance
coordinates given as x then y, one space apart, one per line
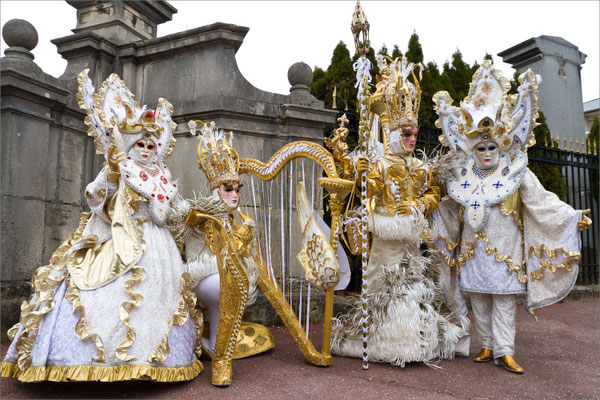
560 354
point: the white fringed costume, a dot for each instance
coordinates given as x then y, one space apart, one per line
114 303
501 234
405 323
403 303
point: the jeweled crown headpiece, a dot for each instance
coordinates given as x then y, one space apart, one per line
489 113
396 100
112 111
217 157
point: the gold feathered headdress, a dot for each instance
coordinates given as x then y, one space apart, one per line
217 157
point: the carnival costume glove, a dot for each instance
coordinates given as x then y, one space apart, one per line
114 157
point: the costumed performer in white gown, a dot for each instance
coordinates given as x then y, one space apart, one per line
501 234
405 324
114 303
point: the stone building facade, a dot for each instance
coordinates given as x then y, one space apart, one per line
47 157
559 63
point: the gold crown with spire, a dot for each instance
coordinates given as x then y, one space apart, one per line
216 156
396 100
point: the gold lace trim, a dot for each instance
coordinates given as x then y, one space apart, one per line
184 307
489 250
572 257
137 275
100 373
82 328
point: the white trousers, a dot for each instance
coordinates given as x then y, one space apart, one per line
208 291
495 317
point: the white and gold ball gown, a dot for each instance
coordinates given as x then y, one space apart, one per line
114 303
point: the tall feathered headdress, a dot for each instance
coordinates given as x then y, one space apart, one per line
113 116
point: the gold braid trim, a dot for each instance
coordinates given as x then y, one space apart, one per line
572 257
161 352
138 274
82 328
44 286
115 373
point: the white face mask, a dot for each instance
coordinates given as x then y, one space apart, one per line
487 155
143 151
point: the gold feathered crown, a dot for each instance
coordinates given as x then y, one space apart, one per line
396 100
134 123
217 157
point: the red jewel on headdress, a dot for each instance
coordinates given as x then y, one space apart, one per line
163 179
161 197
149 115
144 176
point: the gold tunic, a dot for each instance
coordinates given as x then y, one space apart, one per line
397 179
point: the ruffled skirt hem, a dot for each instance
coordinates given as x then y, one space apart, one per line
115 373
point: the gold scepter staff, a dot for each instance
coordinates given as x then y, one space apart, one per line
360 31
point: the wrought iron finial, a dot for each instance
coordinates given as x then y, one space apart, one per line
360 30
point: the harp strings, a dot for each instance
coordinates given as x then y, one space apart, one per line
277 226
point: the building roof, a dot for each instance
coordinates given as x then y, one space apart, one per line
592 105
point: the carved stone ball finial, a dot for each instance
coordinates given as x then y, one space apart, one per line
21 37
300 74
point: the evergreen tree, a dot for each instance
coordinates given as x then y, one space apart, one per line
396 52
593 135
384 50
415 52
430 85
339 74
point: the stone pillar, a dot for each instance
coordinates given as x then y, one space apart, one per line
559 63
46 158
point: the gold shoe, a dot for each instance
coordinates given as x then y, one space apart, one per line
484 355
509 364
221 373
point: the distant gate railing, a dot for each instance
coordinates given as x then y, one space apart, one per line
579 167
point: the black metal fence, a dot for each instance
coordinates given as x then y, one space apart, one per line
579 171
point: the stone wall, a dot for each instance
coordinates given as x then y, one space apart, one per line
47 158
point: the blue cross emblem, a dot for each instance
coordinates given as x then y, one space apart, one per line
475 205
497 185
465 184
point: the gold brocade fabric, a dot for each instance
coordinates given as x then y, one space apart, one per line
97 264
115 373
398 179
